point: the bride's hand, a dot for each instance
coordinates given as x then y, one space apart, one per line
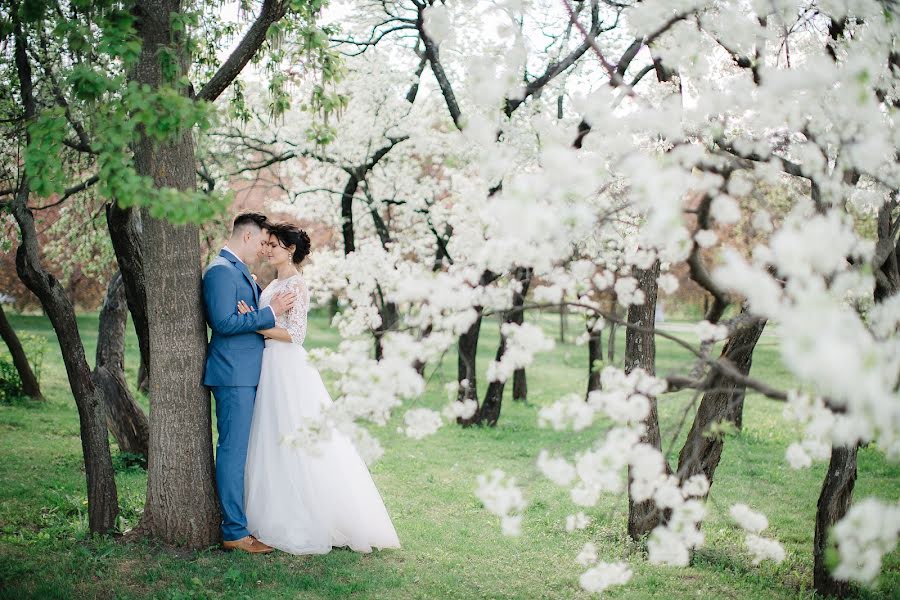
243 308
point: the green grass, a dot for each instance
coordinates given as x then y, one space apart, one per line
452 548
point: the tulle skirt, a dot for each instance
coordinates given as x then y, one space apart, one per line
302 501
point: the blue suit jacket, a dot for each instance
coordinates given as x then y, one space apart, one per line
234 355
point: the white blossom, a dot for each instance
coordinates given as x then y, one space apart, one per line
577 521
867 532
748 519
764 549
421 422
504 498
603 576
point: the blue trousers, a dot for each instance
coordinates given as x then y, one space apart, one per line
234 412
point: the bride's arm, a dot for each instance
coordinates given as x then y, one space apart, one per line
275 333
295 332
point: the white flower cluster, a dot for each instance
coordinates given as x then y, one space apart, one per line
502 497
522 343
754 523
421 422
867 532
709 332
603 576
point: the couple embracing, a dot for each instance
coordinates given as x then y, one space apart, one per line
272 494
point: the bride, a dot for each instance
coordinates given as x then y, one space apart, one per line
300 500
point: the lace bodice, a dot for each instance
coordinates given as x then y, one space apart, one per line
294 321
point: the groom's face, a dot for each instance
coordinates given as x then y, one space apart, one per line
258 242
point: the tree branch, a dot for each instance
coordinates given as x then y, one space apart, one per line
272 11
70 192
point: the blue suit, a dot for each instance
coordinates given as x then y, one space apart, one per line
233 362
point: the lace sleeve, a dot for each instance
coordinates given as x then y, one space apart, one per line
296 318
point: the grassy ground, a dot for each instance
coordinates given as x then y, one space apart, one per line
452 548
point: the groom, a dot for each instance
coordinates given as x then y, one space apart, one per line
233 362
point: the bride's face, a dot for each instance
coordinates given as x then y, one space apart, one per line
278 254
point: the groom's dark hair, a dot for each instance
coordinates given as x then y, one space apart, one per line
250 218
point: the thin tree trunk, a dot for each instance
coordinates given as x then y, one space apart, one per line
640 352
126 232
834 502
520 385
30 386
466 364
723 401
520 381
125 419
181 506
595 355
103 503
563 312
467 351
489 413
611 341
390 318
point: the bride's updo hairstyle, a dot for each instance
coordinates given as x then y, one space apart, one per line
289 235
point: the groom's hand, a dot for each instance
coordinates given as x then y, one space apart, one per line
282 302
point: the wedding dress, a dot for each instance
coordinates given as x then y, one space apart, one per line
300 500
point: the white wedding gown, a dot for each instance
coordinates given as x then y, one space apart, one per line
299 501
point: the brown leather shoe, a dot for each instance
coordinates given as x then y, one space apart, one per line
247 544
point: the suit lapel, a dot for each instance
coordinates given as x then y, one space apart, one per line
243 269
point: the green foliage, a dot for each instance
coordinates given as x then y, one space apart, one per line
86 59
10 383
35 347
42 155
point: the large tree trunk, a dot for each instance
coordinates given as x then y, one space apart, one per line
126 231
181 506
834 502
124 417
723 401
595 355
489 413
640 352
30 386
103 503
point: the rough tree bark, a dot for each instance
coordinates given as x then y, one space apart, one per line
125 419
640 352
723 401
30 386
103 503
834 502
181 506
489 413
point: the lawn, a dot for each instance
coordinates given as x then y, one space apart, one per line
452 547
